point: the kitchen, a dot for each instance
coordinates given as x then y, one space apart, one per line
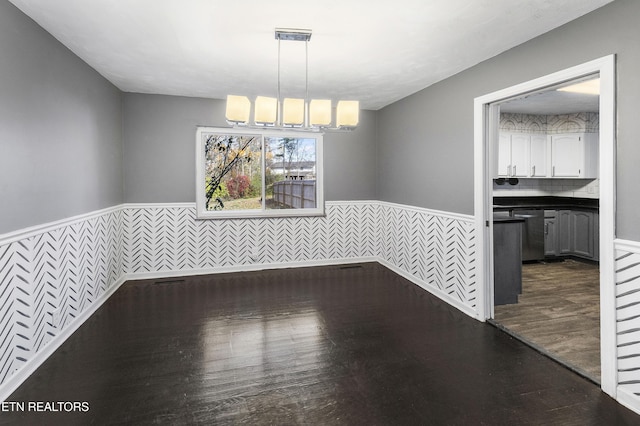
546 223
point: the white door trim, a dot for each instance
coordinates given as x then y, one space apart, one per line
483 160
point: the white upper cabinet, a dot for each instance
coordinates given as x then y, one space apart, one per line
504 155
513 155
519 155
538 156
567 155
574 155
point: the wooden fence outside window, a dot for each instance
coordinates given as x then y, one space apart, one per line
297 194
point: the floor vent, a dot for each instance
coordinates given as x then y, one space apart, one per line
169 281
351 267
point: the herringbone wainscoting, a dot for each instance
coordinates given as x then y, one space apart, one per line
63 270
436 250
172 239
69 268
628 320
52 276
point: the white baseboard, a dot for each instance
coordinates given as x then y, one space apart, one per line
628 399
246 268
13 382
327 262
435 291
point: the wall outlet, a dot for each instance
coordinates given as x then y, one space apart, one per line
56 318
254 254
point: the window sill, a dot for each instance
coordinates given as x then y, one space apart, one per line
259 214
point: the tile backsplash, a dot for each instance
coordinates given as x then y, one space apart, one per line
580 122
577 188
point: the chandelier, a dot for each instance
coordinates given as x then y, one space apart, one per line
292 113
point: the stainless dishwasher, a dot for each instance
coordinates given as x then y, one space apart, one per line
532 233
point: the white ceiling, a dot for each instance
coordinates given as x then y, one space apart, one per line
375 51
552 102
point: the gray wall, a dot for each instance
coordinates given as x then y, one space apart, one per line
62 126
60 129
159 150
425 141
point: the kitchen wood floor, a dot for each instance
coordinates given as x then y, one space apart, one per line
354 345
559 313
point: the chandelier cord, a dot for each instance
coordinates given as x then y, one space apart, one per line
306 70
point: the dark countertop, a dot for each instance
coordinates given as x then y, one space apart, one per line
546 202
503 217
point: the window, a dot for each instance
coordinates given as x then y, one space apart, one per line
258 173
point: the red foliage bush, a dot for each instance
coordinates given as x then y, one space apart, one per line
238 186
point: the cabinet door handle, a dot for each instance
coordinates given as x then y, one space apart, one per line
514 171
546 229
509 170
553 170
533 170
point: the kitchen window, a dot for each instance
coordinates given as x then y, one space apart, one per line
244 173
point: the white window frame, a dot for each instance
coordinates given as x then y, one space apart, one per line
203 213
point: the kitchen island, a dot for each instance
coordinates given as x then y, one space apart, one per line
507 258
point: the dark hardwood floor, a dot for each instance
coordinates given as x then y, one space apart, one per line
326 345
559 313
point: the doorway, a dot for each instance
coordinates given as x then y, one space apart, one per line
557 308
486 130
